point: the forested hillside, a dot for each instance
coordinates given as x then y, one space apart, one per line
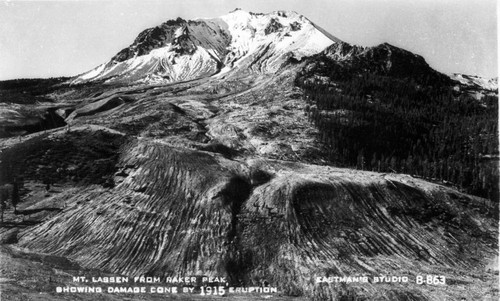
375 119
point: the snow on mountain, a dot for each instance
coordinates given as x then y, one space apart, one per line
179 50
490 84
264 40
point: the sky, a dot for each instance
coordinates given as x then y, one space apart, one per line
66 38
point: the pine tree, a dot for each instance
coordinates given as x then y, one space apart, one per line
4 196
15 195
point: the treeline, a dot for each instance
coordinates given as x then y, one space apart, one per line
28 90
380 123
77 157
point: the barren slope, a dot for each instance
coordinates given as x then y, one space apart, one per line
181 212
217 171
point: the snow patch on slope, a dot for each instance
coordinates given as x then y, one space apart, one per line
237 41
158 66
490 84
272 37
93 73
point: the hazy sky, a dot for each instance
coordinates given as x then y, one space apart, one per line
65 38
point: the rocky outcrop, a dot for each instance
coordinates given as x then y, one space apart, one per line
184 35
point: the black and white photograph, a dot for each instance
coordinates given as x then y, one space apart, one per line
284 150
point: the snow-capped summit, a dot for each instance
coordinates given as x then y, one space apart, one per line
179 50
473 81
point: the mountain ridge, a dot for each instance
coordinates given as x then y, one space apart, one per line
264 158
182 50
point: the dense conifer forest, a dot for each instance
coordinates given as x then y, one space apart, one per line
425 128
28 90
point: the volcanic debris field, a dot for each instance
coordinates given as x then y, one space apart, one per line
249 173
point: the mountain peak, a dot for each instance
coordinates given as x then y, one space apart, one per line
280 13
179 50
